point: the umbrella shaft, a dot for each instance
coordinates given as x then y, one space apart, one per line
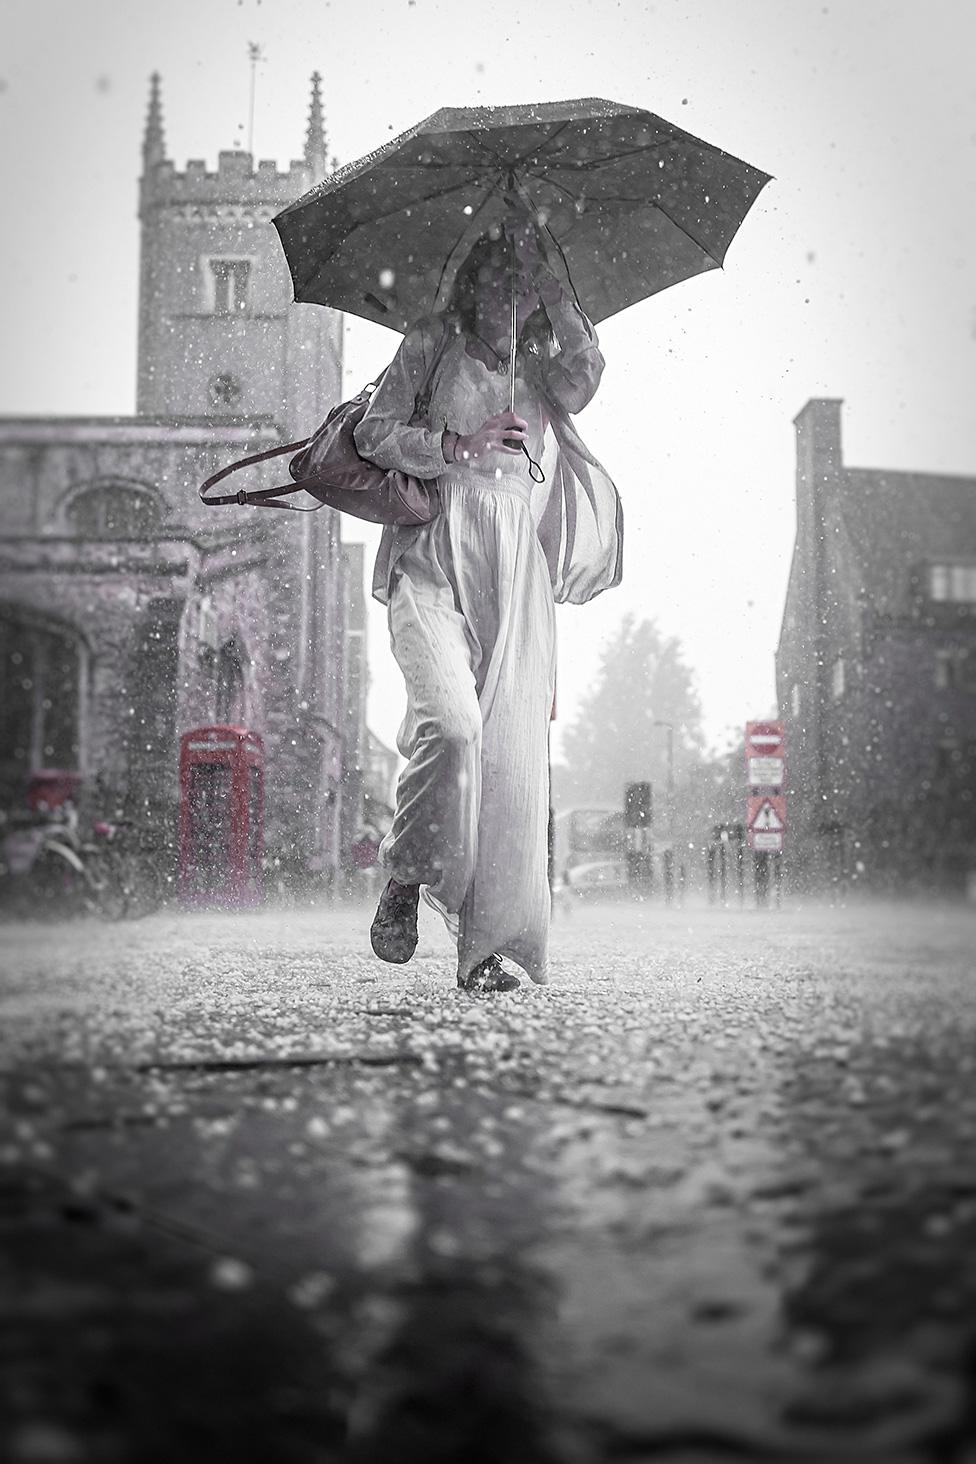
511 358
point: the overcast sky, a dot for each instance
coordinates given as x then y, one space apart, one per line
854 275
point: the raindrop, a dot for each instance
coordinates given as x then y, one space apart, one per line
229 1274
387 278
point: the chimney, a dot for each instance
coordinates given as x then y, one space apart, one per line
818 446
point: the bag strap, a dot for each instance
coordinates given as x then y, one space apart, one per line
258 497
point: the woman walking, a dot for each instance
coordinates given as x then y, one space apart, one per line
471 597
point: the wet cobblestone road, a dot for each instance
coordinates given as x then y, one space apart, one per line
710 1196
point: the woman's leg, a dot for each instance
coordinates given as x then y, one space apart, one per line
508 905
434 837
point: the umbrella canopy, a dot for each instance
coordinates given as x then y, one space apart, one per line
633 203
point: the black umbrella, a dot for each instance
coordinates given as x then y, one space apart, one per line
630 203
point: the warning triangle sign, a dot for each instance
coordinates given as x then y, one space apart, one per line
767 820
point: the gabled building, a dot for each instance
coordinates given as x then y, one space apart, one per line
876 669
129 612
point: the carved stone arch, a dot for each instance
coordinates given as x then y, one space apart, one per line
112 508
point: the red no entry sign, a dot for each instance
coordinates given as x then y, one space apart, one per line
765 762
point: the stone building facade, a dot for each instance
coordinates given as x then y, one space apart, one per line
129 612
876 670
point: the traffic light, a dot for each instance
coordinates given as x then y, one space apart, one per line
638 805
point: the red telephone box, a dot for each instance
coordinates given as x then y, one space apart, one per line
221 816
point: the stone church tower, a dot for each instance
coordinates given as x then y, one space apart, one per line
129 612
219 335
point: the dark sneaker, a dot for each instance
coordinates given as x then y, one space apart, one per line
488 975
393 933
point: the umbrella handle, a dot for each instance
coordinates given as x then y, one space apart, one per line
535 470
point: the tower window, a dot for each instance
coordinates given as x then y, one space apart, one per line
955 669
230 283
953 582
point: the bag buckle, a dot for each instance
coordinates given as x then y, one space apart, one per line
241 497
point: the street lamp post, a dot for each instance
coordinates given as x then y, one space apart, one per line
669 726
668 858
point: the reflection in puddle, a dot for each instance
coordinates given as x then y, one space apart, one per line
451 1375
455 1381
885 1283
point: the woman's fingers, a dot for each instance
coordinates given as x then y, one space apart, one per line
504 432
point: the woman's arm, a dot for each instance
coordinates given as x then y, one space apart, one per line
572 375
384 435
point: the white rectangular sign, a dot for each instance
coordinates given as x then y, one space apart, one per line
767 843
766 772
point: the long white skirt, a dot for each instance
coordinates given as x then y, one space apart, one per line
472 626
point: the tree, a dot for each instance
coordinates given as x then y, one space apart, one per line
613 740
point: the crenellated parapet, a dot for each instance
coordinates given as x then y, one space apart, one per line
197 189
235 181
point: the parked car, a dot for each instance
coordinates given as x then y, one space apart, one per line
595 878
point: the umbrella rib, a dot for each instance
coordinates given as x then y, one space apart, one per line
379 219
414 203
497 158
562 254
680 139
535 151
544 178
654 203
687 232
453 248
